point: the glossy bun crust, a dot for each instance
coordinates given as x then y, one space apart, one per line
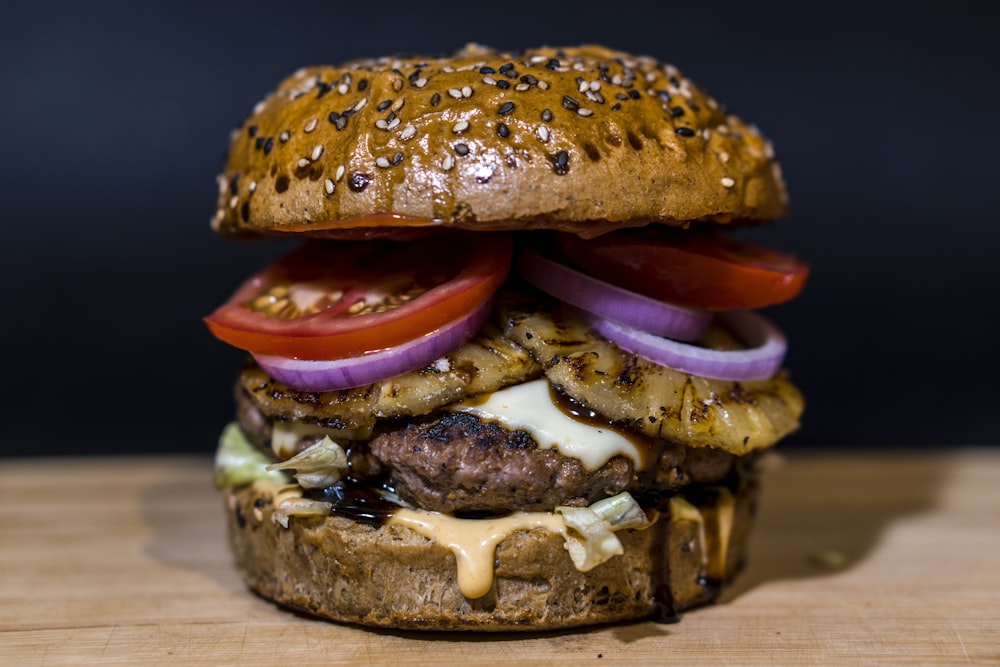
390 576
583 139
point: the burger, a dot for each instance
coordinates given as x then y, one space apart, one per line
512 377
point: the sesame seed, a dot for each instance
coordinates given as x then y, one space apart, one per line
330 186
343 88
341 123
728 182
340 173
383 105
455 92
521 87
283 137
397 157
724 157
503 85
252 187
317 152
570 103
303 162
543 85
506 67
397 85
460 126
505 108
421 82
382 163
503 130
392 123
362 84
553 64
407 132
252 131
560 163
381 124
361 104
461 149
584 112
546 115
595 85
634 94
685 132
398 104
676 112
435 98
466 91
234 201
447 163
489 80
583 85
310 126
358 181
542 133
333 117
487 70
268 145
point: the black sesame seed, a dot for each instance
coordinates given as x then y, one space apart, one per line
502 85
570 103
245 211
673 80
616 106
334 116
503 130
347 113
252 131
358 181
397 157
505 108
621 96
677 111
435 98
560 162
685 132
506 67
530 80
634 94
259 143
322 89
362 84
391 117
414 75
341 123
553 64
487 70
268 145
461 149
546 115
383 105
664 95
234 183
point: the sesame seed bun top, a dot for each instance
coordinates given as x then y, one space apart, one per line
582 139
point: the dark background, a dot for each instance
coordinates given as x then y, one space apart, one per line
115 119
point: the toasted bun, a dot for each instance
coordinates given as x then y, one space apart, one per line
390 576
580 139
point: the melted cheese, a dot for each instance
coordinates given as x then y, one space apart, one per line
528 407
474 541
713 533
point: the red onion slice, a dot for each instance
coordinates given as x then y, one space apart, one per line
608 301
760 361
310 375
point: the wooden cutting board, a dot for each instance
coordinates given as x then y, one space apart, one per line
890 557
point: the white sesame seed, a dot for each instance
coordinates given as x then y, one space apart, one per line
311 125
539 59
617 79
722 129
543 85
769 150
252 187
382 163
542 133
706 134
455 92
398 104
317 151
489 80
407 132
392 124
583 86
727 182
381 124
466 91
361 104
460 126
284 136
233 201
303 162
343 88
595 85
447 163
521 87
724 157
421 82
397 85
340 172
584 112
330 186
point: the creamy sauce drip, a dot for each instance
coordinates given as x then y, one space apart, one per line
474 541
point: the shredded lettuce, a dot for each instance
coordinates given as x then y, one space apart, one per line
590 534
238 462
318 466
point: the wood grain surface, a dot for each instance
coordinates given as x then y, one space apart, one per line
858 558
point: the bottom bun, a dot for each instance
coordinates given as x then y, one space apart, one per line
390 576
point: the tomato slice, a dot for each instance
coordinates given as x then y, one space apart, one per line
703 270
332 300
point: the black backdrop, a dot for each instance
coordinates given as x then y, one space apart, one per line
115 118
